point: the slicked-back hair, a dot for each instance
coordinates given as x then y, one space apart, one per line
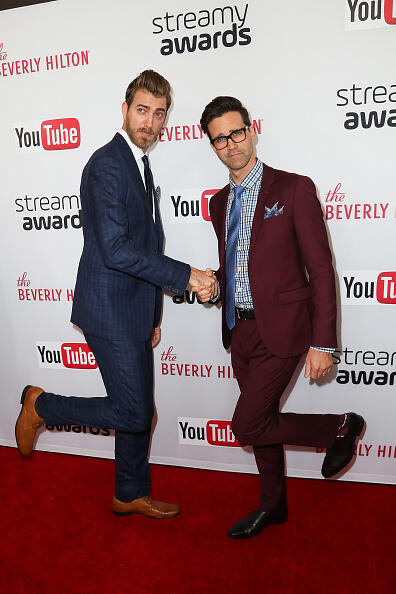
150 81
218 107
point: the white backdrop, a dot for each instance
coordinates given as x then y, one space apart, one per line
318 80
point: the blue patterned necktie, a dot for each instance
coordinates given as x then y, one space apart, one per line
230 263
148 180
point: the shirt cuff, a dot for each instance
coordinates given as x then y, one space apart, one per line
323 349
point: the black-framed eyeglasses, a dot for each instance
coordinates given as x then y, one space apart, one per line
236 136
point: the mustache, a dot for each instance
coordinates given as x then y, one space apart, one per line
146 130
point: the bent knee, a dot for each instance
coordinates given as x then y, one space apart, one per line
138 421
248 432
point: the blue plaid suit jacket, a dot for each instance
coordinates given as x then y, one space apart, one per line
122 269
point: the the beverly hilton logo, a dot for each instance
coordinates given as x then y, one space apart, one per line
34 64
26 292
171 365
3 53
338 207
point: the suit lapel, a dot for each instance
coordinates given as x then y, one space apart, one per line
262 202
133 171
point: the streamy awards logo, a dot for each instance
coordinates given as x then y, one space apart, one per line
81 429
51 135
50 212
367 287
202 30
369 14
365 367
369 106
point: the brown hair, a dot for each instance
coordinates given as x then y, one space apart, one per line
150 81
218 107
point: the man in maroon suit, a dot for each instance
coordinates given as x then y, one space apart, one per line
270 232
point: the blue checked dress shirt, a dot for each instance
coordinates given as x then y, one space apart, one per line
251 187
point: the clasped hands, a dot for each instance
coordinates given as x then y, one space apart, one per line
203 283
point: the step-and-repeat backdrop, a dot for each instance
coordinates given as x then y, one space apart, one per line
319 81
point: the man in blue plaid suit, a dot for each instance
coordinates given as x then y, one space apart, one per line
118 298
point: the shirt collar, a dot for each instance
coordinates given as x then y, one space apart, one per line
137 151
252 177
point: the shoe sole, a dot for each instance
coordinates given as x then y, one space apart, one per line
23 396
147 516
276 521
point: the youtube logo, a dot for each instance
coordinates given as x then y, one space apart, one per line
205 199
51 135
206 432
367 287
77 356
61 134
69 355
190 206
386 287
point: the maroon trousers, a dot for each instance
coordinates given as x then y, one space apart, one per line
262 379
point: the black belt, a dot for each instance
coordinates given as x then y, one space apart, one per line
244 314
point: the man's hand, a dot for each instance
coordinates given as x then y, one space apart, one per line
204 284
317 364
155 336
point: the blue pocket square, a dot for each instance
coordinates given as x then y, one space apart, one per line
274 211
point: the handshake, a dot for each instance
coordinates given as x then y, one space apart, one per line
203 283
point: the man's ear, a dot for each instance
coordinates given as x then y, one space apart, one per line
252 132
124 109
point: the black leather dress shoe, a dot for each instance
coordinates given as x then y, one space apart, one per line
254 523
341 452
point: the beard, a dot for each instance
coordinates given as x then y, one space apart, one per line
142 142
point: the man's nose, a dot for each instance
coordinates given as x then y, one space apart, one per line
231 143
149 119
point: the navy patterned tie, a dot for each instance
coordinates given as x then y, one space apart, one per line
230 264
148 180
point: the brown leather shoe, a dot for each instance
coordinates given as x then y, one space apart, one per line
28 421
145 506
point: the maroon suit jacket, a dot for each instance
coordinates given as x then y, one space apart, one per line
293 310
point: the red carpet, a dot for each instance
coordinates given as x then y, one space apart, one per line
58 534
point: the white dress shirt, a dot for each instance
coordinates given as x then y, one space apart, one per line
138 154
